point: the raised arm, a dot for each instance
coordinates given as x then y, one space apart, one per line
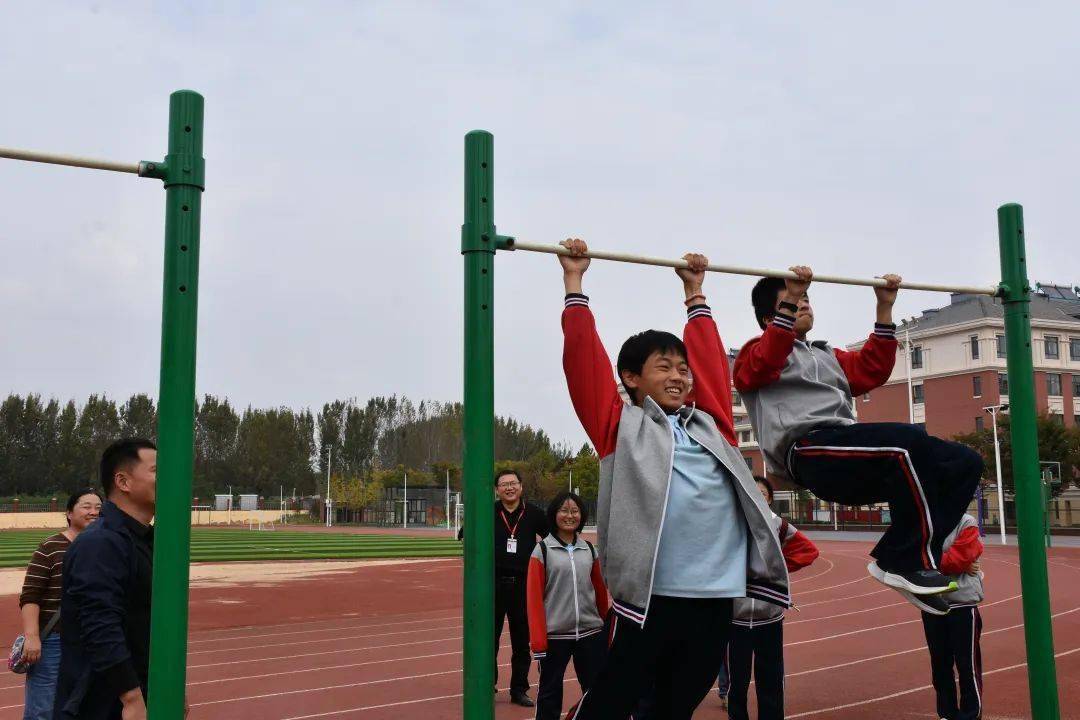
589 376
708 360
871 365
761 360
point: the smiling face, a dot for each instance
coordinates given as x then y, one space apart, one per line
508 487
87 509
568 518
665 377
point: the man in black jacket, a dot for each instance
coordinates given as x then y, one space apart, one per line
517 526
105 607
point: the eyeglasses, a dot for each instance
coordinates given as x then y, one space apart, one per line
505 485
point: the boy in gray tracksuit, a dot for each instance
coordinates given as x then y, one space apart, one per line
682 528
799 395
953 639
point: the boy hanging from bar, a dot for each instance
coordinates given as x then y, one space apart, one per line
799 397
682 527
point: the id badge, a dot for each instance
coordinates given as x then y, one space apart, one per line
511 545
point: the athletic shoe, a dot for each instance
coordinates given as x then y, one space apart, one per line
522 699
920 582
932 604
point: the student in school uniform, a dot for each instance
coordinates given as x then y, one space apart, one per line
568 604
757 632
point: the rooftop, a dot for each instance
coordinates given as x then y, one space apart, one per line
1048 302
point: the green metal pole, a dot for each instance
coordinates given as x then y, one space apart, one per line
183 173
1038 631
478 246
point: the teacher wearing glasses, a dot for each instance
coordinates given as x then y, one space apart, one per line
517 527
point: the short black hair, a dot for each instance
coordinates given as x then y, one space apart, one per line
121 453
554 505
768 486
503 473
763 298
74 499
637 349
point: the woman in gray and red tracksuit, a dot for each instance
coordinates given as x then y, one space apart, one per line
568 603
757 632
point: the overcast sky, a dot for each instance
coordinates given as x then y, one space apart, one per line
858 140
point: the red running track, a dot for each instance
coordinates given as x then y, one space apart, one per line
385 642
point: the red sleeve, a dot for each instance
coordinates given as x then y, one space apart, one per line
603 602
709 366
870 366
534 598
799 551
965 550
761 360
589 376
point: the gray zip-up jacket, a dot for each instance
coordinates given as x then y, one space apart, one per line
791 387
567 599
799 552
970 590
636 448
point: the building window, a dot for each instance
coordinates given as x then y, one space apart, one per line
976 386
736 399
866 396
1000 345
1076 421
917 393
1050 347
1076 387
978 423
749 463
1053 383
1074 348
916 356
974 340
1057 419
1003 384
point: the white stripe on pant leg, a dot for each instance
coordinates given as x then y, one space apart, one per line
974 676
914 476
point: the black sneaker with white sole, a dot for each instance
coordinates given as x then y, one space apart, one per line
920 582
933 604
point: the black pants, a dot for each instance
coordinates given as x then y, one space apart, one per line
510 604
763 647
588 654
953 641
928 483
677 653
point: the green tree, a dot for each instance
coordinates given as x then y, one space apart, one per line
1056 443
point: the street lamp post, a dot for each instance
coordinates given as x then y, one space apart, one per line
994 410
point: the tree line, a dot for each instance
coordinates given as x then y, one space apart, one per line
49 448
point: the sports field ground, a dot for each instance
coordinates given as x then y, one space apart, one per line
222 545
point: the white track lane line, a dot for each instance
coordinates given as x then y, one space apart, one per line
814 577
914 649
907 692
832 587
879 627
849 597
393 704
327 667
322 640
380 681
324 652
846 614
338 628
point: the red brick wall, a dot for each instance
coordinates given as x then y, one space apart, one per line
951 407
886 404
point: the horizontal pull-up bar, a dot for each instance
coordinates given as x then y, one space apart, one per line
514 244
137 168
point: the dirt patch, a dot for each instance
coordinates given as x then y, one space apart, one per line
257 574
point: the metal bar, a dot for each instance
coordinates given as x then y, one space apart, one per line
182 173
515 244
70 160
478 246
1038 630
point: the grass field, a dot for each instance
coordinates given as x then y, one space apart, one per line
212 545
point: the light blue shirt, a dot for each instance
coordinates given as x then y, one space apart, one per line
703 541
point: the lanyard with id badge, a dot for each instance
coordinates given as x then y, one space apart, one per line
511 542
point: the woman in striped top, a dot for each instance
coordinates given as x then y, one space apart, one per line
40 601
